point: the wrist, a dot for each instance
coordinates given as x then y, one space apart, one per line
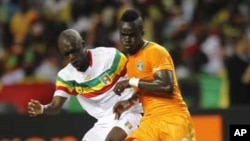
43 107
134 82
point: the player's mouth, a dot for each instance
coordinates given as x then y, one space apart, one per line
127 46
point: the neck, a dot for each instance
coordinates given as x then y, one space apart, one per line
85 62
141 44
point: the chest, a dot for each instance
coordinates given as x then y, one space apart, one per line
98 72
139 67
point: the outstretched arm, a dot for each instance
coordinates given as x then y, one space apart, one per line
35 108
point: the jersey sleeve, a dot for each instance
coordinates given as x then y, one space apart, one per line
64 86
61 93
160 59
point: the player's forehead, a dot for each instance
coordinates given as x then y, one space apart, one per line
65 45
128 27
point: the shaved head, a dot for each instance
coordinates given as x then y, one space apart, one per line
71 46
70 33
69 37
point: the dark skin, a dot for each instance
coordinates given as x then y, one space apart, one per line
71 46
124 105
73 50
161 86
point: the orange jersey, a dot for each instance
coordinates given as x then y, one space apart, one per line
165 119
143 65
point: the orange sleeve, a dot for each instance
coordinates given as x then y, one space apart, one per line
159 58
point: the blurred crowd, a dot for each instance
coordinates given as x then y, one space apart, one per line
208 40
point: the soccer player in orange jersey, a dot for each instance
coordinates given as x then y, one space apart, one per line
151 72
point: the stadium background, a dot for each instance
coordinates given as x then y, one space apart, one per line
200 35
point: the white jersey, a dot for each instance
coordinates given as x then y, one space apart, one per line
94 87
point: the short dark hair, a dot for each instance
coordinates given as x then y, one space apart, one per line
130 15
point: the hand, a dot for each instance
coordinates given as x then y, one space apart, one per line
121 86
120 107
34 108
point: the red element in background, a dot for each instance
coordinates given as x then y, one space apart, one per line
20 94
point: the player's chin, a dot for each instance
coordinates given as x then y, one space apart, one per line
128 49
76 66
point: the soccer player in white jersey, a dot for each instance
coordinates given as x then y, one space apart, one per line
91 75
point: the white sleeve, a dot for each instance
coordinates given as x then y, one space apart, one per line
61 93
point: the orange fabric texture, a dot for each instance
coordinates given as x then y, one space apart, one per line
164 128
159 120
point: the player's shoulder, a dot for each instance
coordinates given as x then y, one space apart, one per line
154 47
103 50
109 53
66 72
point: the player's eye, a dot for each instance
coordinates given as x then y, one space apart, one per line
73 51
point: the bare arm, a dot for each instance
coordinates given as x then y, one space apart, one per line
161 85
124 105
35 108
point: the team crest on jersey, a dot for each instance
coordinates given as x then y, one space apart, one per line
140 65
105 78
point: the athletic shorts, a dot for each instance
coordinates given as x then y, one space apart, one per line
129 121
164 128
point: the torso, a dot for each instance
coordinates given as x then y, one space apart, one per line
94 87
142 65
